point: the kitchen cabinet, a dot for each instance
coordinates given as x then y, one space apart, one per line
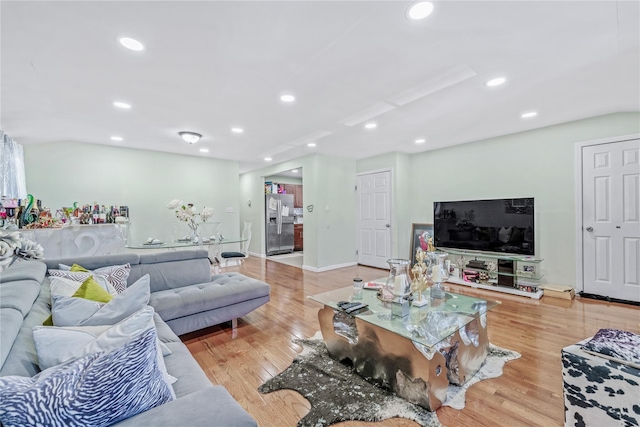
297 237
297 196
296 190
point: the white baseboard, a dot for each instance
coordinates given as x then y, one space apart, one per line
329 267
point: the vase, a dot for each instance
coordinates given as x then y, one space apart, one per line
399 285
194 235
437 272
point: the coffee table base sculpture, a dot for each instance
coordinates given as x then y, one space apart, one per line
414 372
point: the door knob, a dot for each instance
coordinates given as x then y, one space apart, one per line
388 225
589 228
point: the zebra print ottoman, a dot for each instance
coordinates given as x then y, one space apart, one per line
598 392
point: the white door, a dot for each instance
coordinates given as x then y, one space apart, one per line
373 205
611 219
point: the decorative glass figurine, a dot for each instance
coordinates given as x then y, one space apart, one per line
437 272
399 285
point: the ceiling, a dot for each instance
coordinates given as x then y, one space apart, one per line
212 65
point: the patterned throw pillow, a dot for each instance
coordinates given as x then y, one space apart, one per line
622 346
79 276
117 275
96 390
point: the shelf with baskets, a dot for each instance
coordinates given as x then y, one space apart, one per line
512 274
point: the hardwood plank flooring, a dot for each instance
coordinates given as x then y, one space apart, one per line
529 393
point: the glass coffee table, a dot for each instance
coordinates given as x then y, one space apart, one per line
417 355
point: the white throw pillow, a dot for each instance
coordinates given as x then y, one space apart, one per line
56 345
72 311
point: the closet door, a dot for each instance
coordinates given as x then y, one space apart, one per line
611 219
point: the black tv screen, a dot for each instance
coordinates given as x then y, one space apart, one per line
498 225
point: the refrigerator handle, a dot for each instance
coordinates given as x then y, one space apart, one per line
279 218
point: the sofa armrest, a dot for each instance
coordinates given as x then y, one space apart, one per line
211 406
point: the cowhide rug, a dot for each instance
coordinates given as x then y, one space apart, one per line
337 393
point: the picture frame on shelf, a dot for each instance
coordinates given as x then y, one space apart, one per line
419 234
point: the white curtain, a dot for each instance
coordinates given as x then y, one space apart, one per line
13 182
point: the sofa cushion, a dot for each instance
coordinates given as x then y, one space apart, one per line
19 295
226 289
169 270
86 391
209 406
70 311
93 262
24 270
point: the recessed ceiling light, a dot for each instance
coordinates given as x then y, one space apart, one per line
237 130
116 138
267 159
529 115
190 137
495 82
294 170
420 10
287 97
130 43
204 150
122 105
311 144
371 125
420 141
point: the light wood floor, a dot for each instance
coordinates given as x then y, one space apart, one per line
529 393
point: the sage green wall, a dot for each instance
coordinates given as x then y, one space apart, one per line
329 236
538 163
146 181
399 165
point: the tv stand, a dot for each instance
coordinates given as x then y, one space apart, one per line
511 274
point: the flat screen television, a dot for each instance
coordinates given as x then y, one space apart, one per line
497 225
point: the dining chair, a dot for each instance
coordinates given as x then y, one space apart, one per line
244 247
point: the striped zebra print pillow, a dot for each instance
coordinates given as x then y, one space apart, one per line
96 390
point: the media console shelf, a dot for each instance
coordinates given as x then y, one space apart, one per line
511 274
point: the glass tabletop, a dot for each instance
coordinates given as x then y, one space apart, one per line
185 244
427 325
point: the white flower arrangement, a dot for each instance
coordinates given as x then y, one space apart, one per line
13 247
187 213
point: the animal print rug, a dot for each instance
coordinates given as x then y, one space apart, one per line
337 393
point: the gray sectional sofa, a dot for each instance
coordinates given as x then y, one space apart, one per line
185 297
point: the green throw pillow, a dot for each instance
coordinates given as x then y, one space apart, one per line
91 290
76 267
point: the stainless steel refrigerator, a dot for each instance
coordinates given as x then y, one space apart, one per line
279 227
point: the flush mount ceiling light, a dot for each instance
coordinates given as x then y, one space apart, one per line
371 125
204 150
116 138
131 44
287 97
420 141
529 115
122 105
311 144
495 82
267 159
190 137
237 130
294 170
420 10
